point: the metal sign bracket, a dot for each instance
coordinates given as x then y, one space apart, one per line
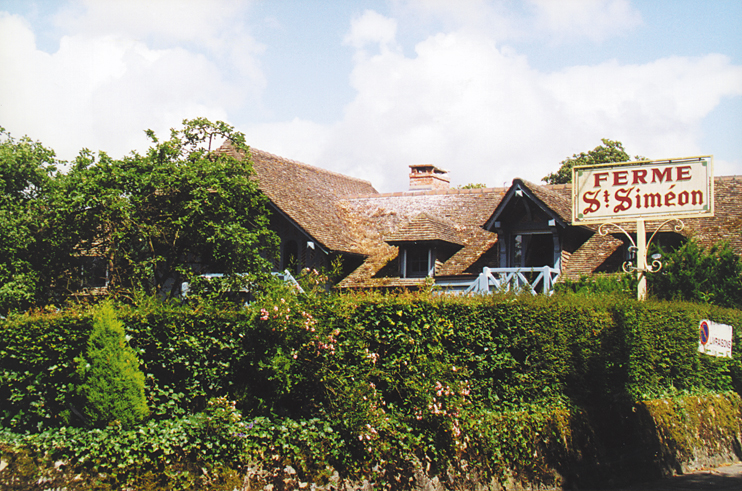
640 247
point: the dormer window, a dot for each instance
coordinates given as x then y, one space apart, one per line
423 241
529 231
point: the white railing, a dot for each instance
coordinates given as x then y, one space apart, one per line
505 279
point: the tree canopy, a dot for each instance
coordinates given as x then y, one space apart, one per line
26 170
149 221
609 151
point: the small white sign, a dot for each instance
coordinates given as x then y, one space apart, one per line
715 339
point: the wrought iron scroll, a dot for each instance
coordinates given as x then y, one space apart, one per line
628 266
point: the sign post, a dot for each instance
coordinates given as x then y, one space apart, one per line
641 259
662 190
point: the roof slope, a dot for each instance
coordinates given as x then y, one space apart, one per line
557 197
590 256
424 228
727 221
309 196
388 217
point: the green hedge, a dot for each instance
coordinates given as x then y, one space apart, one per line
396 381
509 350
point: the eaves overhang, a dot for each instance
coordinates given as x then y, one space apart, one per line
520 190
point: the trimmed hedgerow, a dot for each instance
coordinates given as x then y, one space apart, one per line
389 384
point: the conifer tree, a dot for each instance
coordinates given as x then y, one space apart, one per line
112 383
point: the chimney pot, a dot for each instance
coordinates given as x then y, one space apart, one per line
426 177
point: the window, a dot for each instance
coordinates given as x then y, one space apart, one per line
417 262
93 271
532 250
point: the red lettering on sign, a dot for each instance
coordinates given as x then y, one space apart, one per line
694 195
683 173
640 176
620 178
590 198
600 177
662 174
652 199
622 195
670 199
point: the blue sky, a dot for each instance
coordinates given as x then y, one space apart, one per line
490 90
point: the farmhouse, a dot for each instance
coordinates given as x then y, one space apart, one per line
394 240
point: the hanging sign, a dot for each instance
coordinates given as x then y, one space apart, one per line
715 339
652 189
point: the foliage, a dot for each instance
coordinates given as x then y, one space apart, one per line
178 209
209 450
371 386
26 168
472 185
609 151
622 284
112 385
218 449
697 274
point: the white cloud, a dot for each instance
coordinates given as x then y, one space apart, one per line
465 104
107 82
462 100
212 28
303 140
656 108
161 21
372 28
596 20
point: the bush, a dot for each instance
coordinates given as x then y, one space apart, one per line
621 284
112 384
372 385
695 274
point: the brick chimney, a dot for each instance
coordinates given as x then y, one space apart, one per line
427 177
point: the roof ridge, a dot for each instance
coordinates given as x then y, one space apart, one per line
308 166
434 192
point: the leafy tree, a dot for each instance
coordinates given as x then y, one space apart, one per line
112 384
181 208
609 151
697 274
26 169
472 185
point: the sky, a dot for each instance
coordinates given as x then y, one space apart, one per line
490 90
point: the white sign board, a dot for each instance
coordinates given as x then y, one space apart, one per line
652 189
715 339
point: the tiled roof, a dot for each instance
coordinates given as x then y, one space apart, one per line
727 221
557 197
423 228
348 215
475 254
309 196
589 256
463 212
